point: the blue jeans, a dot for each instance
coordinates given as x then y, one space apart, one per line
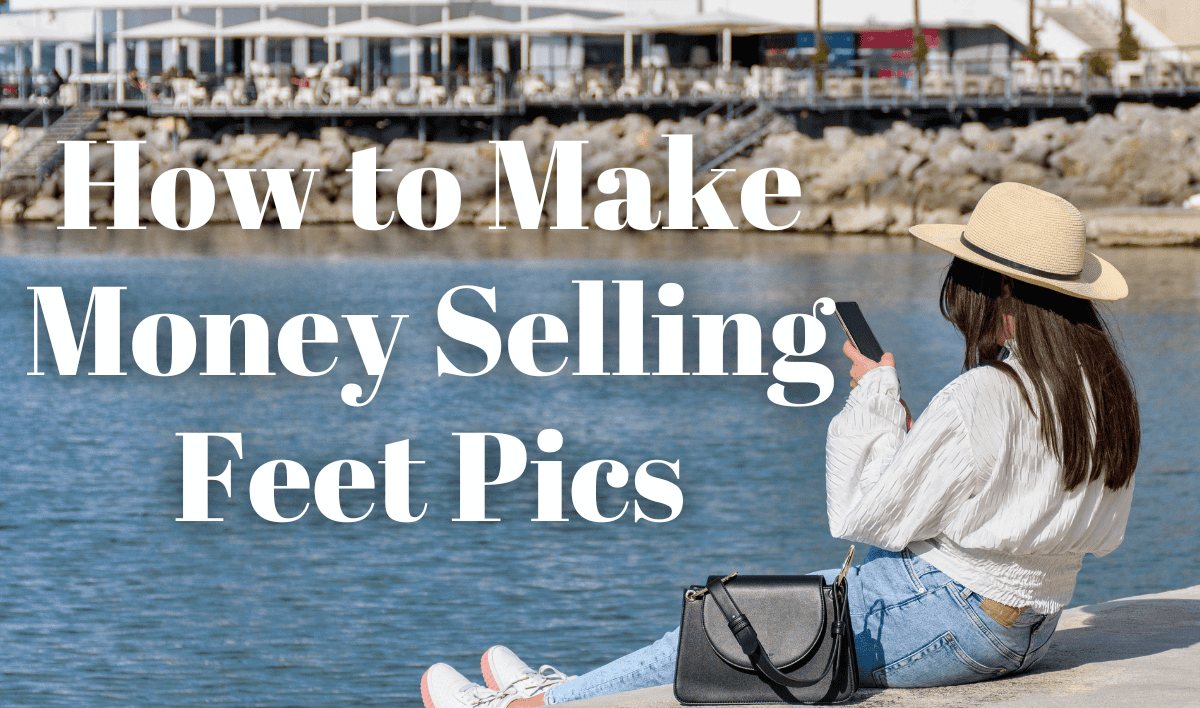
913 627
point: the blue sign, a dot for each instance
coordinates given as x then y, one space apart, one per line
841 45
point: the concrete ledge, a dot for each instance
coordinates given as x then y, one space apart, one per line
1151 226
1135 652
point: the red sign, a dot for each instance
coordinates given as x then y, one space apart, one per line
892 39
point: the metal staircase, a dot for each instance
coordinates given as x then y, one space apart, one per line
755 126
43 157
1090 24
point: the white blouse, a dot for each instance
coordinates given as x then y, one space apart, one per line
971 488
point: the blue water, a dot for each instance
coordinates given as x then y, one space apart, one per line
106 600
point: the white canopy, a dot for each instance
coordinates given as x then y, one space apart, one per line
373 27
566 23
69 26
171 29
706 23
637 21
466 26
275 27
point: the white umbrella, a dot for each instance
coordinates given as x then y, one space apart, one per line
275 27
67 26
373 27
566 23
172 29
467 26
639 22
711 23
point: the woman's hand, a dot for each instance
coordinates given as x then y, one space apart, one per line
860 364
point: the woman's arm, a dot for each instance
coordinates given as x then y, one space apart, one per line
889 488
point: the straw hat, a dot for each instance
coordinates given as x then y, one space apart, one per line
1030 235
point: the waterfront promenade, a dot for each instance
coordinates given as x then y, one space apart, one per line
1139 651
1013 89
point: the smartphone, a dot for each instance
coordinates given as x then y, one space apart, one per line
858 331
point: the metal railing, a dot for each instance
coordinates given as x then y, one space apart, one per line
866 81
8 134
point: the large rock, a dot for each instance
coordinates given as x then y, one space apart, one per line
861 219
1024 173
837 137
974 133
11 210
813 217
1030 146
406 149
44 209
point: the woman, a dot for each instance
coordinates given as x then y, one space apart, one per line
980 515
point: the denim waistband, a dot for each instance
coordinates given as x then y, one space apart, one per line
931 577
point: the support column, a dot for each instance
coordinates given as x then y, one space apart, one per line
628 53
444 55
36 56
76 57
364 75
472 55
141 56
219 56
330 42
364 47
500 53
122 56
726 49
414 60
260 45
175 43
524 52
99 40
575 54
300 54
20 46
193 55
524 36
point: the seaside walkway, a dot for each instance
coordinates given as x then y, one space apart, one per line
1140 651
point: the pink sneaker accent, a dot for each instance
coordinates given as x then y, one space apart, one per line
485 667
425 698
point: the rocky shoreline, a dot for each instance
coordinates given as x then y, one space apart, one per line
1129 171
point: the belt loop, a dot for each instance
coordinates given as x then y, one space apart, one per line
966 593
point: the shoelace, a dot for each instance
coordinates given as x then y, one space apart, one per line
483 696
543 678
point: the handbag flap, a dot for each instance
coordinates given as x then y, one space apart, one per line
786 611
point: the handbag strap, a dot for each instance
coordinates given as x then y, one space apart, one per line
744 632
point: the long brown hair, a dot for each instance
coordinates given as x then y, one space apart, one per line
1067 351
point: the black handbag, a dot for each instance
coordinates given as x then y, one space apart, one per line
748 639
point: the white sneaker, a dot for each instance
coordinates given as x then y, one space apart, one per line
504 671
443 687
